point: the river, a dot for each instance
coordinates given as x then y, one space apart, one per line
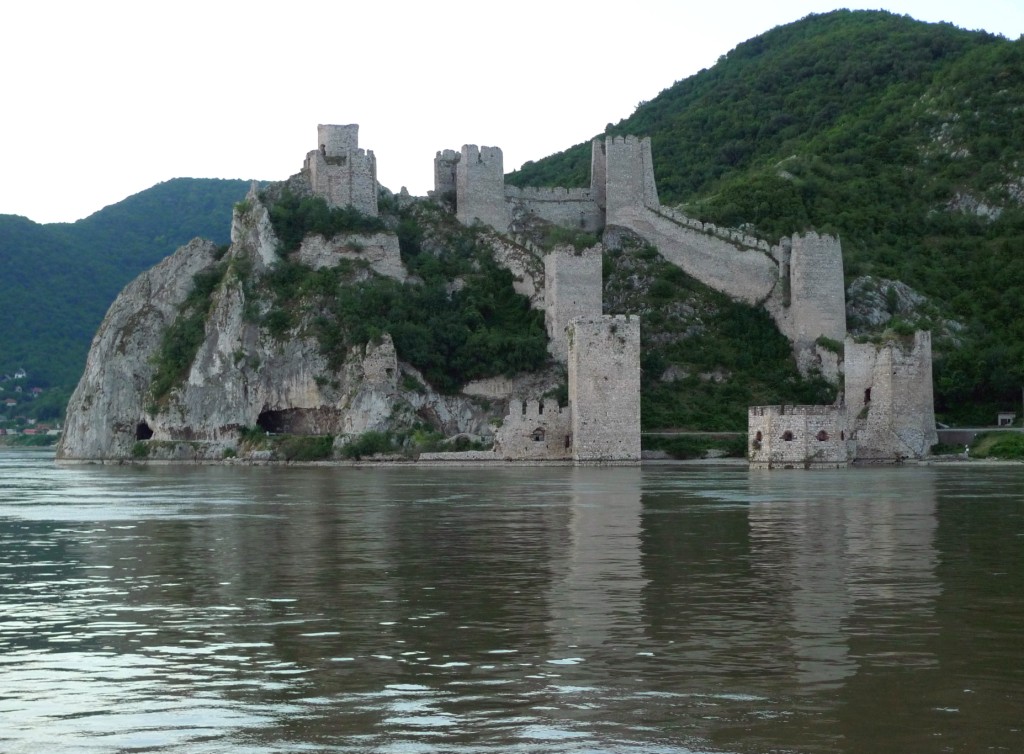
655 610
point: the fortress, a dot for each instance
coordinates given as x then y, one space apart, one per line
885 412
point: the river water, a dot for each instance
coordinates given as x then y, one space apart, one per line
660 610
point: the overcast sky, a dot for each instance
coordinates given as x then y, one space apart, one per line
104 99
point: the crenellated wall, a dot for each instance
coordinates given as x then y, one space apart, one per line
534 430
604 388
568 208
887 416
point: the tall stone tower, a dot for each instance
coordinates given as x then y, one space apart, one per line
480 187
342 173
604 388
445 166
629 176
572 288
889 398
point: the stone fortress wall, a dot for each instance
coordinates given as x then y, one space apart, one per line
797 437
535 430
341 172
799 281
887 414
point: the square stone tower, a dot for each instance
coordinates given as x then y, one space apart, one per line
340 172
889 398
480 187
604 388
572 288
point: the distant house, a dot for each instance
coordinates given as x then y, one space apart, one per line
10 402
20 374
1005 418
36 391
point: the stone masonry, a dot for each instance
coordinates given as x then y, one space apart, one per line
799 281
341 172
797 437
572 288
889 398
604 388
535 430
887 414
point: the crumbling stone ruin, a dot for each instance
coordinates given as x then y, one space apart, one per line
887 415
341 172
799 281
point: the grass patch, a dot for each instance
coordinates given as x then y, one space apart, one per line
1003 445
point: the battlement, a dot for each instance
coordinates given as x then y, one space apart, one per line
548 194
532 410
534 430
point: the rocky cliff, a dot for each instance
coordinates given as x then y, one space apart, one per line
149 391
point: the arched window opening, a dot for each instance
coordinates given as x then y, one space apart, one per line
538 434
787 436
867 395
822 436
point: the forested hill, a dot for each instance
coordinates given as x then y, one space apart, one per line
58 279
905 138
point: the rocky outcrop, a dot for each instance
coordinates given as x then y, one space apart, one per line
107 411
242 377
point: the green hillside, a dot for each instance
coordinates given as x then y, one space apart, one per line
902 137
59 279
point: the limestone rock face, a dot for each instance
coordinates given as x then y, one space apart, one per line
109 403
241 376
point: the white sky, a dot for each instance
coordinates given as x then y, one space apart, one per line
103 99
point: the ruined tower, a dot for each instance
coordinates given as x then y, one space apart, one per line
572 288
480 185
889 398
342 173
604 388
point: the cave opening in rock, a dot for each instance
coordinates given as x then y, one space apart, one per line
273 422
143 431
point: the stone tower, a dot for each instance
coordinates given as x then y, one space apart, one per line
445 166
480 187
629 177
572 288
604 388
340 172
889 398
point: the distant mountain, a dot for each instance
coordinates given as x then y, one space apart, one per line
904 138
58 279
